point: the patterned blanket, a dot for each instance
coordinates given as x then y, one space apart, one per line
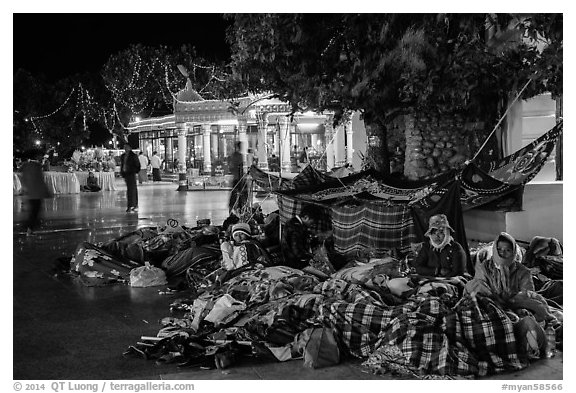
429 338
289 206
377 225
307 177
422 337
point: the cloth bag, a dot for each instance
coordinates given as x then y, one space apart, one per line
318 346
147 276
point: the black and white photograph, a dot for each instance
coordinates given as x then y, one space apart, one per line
271 197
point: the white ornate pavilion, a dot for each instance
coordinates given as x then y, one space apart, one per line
202 134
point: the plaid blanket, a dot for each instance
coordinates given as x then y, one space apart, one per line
428 337
375 225
358 317
290 206
476 339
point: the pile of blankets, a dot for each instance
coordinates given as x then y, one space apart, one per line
370 309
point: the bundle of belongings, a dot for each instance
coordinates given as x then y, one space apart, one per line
243 304
148 256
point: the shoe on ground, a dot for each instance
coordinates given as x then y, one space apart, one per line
129 210
135 210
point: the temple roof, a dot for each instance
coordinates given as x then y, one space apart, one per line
188 94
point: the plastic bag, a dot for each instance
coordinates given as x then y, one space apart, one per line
147 276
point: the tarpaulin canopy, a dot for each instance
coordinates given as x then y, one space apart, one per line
369 210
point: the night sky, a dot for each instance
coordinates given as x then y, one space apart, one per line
64 44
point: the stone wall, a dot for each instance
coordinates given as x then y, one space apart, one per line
396 137
436 144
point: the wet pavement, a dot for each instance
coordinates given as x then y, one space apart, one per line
63 330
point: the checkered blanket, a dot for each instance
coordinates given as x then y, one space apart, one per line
376 225
476 339
289 206
428 337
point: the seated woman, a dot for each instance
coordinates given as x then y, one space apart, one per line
91 183
499 273
441 256
502 277
242 249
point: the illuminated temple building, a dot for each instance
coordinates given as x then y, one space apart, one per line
201 134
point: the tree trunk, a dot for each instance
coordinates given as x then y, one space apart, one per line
559 143
377 149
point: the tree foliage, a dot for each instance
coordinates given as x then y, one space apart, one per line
138 81
55 114
385 64
145 81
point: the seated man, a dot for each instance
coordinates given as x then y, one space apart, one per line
91 183
441 256
296 235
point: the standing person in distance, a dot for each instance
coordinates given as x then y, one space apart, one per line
142 175
249 158
237 170
35 189
129 168
303 158
156 163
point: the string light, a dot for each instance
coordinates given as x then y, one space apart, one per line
32 118
131 95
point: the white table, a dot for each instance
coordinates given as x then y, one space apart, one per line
16 184
106 180
62 182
